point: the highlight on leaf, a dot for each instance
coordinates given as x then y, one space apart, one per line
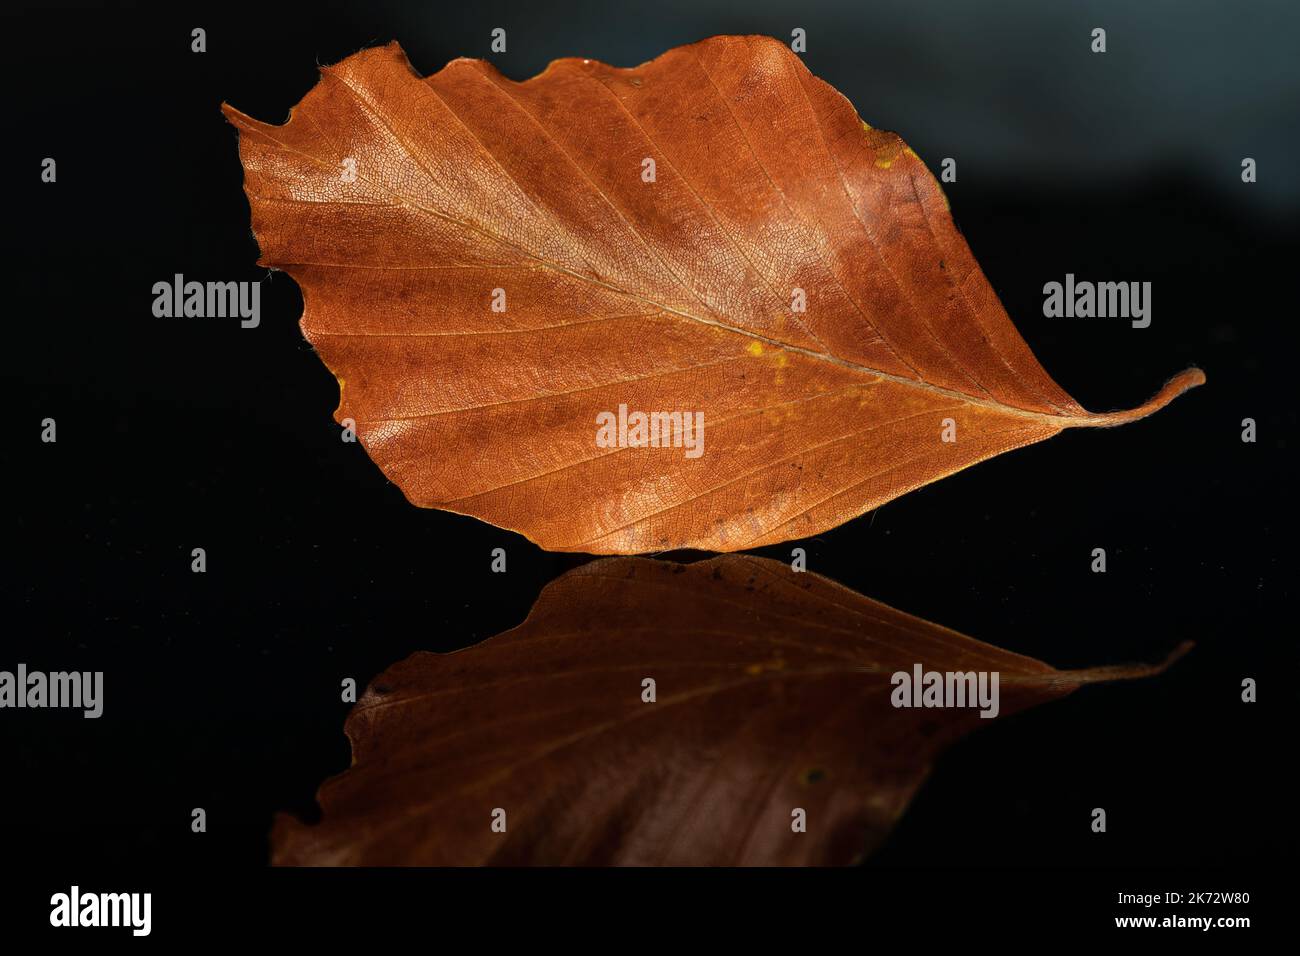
731 711
696 303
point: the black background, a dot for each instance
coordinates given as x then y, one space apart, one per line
222 689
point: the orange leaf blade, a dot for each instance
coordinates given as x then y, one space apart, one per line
786 274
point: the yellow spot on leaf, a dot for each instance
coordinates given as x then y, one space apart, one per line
755 348
776 664
888 151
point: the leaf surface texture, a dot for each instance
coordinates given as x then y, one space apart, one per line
400 204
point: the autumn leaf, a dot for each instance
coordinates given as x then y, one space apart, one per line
773 692
503 276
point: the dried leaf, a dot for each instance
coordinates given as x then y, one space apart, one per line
408 208
773 692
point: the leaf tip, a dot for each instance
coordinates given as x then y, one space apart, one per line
1131 671
239 119
1185 380
1178 653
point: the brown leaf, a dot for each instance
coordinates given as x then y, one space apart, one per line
773 692
401 205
